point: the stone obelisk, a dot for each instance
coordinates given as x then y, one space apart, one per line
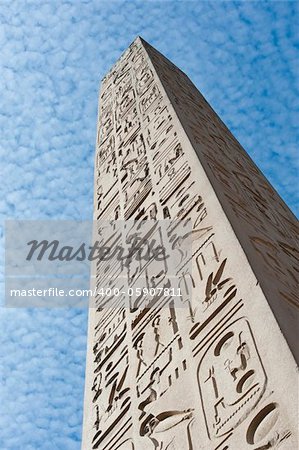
218 370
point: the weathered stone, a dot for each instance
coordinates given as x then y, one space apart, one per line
213 369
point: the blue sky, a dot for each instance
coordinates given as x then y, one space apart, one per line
241 55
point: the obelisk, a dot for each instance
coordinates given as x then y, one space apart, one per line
213 367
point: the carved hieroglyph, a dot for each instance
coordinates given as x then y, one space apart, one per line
218 372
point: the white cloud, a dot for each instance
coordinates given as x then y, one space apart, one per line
242 56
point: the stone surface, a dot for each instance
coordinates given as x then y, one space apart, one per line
216 371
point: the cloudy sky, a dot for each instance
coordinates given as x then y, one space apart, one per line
241 55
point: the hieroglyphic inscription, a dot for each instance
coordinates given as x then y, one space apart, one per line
163 368
248 198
